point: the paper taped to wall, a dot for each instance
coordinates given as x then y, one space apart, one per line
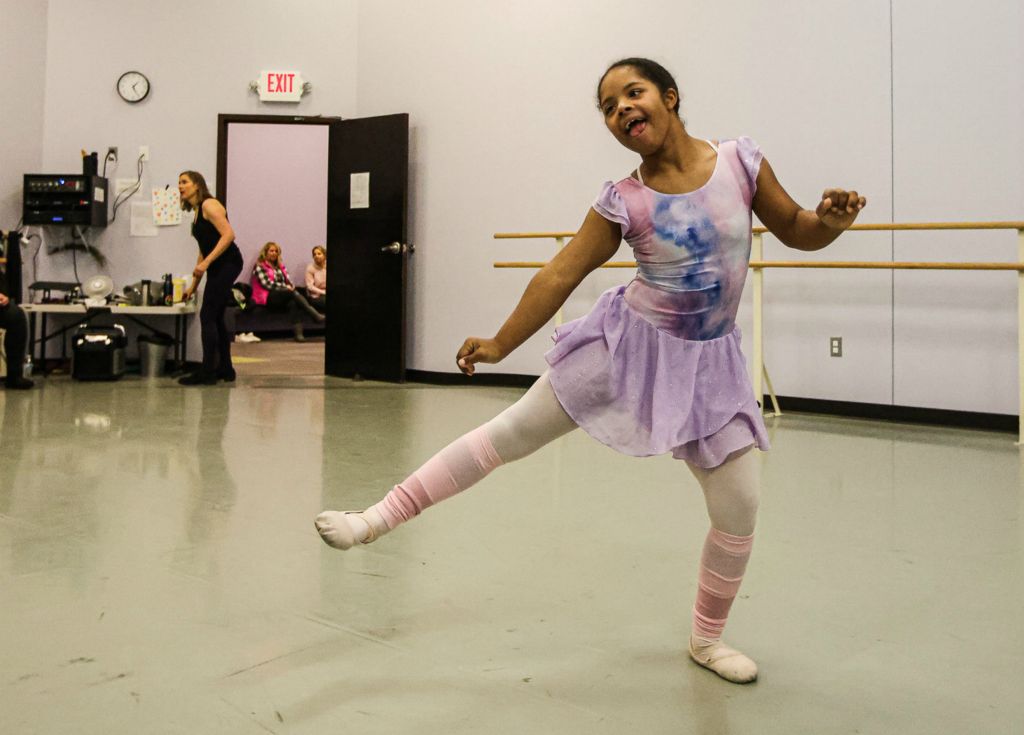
166 206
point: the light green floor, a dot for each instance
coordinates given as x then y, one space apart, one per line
159 573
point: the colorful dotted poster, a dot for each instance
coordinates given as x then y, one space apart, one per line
166 206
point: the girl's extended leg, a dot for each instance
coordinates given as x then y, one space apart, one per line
732 492
521 429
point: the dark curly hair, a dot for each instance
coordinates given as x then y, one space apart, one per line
652 71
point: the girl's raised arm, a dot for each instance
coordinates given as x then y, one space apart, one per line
800 228
594 244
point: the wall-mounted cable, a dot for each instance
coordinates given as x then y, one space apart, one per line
128 193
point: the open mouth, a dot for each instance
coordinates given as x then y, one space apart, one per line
636 127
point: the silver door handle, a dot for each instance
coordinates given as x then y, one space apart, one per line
397 248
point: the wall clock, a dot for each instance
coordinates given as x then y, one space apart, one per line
133 86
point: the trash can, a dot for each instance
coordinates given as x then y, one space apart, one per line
153 353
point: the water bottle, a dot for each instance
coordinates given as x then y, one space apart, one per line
168 290
26 367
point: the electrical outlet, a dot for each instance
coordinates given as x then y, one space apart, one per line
144 152
835 346
121 184
112 152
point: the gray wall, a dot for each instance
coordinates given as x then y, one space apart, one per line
22 47
917 105
200 58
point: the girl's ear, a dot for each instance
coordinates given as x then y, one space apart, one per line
671 98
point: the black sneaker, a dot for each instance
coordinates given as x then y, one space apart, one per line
17 383
228 376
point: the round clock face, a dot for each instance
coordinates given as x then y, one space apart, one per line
133 86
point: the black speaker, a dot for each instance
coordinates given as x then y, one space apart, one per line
98 353
65 199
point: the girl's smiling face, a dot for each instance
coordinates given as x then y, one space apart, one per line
635 111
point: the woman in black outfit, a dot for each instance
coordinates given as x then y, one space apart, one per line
15 326
221 261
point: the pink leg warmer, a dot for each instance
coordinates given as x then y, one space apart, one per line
722 565
461 464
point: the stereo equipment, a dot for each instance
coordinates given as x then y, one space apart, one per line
65 199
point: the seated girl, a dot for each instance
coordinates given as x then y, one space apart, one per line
316 280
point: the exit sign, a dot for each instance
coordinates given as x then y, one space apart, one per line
280 86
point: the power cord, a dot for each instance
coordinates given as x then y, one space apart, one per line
74 253
35 255
127 194
111 156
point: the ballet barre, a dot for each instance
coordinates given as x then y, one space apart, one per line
758 265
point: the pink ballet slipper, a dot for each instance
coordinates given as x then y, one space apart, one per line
345 529
727 662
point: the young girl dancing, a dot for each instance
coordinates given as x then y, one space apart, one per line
656 366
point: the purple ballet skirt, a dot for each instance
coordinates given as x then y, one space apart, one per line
656 366
643 391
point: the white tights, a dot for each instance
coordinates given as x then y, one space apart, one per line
528 424
731 492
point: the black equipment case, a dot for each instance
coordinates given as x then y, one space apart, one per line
98 353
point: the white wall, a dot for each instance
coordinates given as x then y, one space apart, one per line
505 138
200 58
959 154
22 47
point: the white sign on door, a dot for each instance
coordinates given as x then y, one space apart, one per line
359 191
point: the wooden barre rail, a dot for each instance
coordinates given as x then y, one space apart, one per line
758 266
762 230
896 265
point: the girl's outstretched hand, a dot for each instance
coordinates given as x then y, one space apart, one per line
474 350
839 208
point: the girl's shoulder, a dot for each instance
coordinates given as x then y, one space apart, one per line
743 156
626 183
744 145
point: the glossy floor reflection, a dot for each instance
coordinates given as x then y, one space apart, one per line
159 573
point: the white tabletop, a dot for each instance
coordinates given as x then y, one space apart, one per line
80 308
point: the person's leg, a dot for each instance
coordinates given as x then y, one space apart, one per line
533 421
220 283
14 322
305 306
206 374
732 493
279 300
